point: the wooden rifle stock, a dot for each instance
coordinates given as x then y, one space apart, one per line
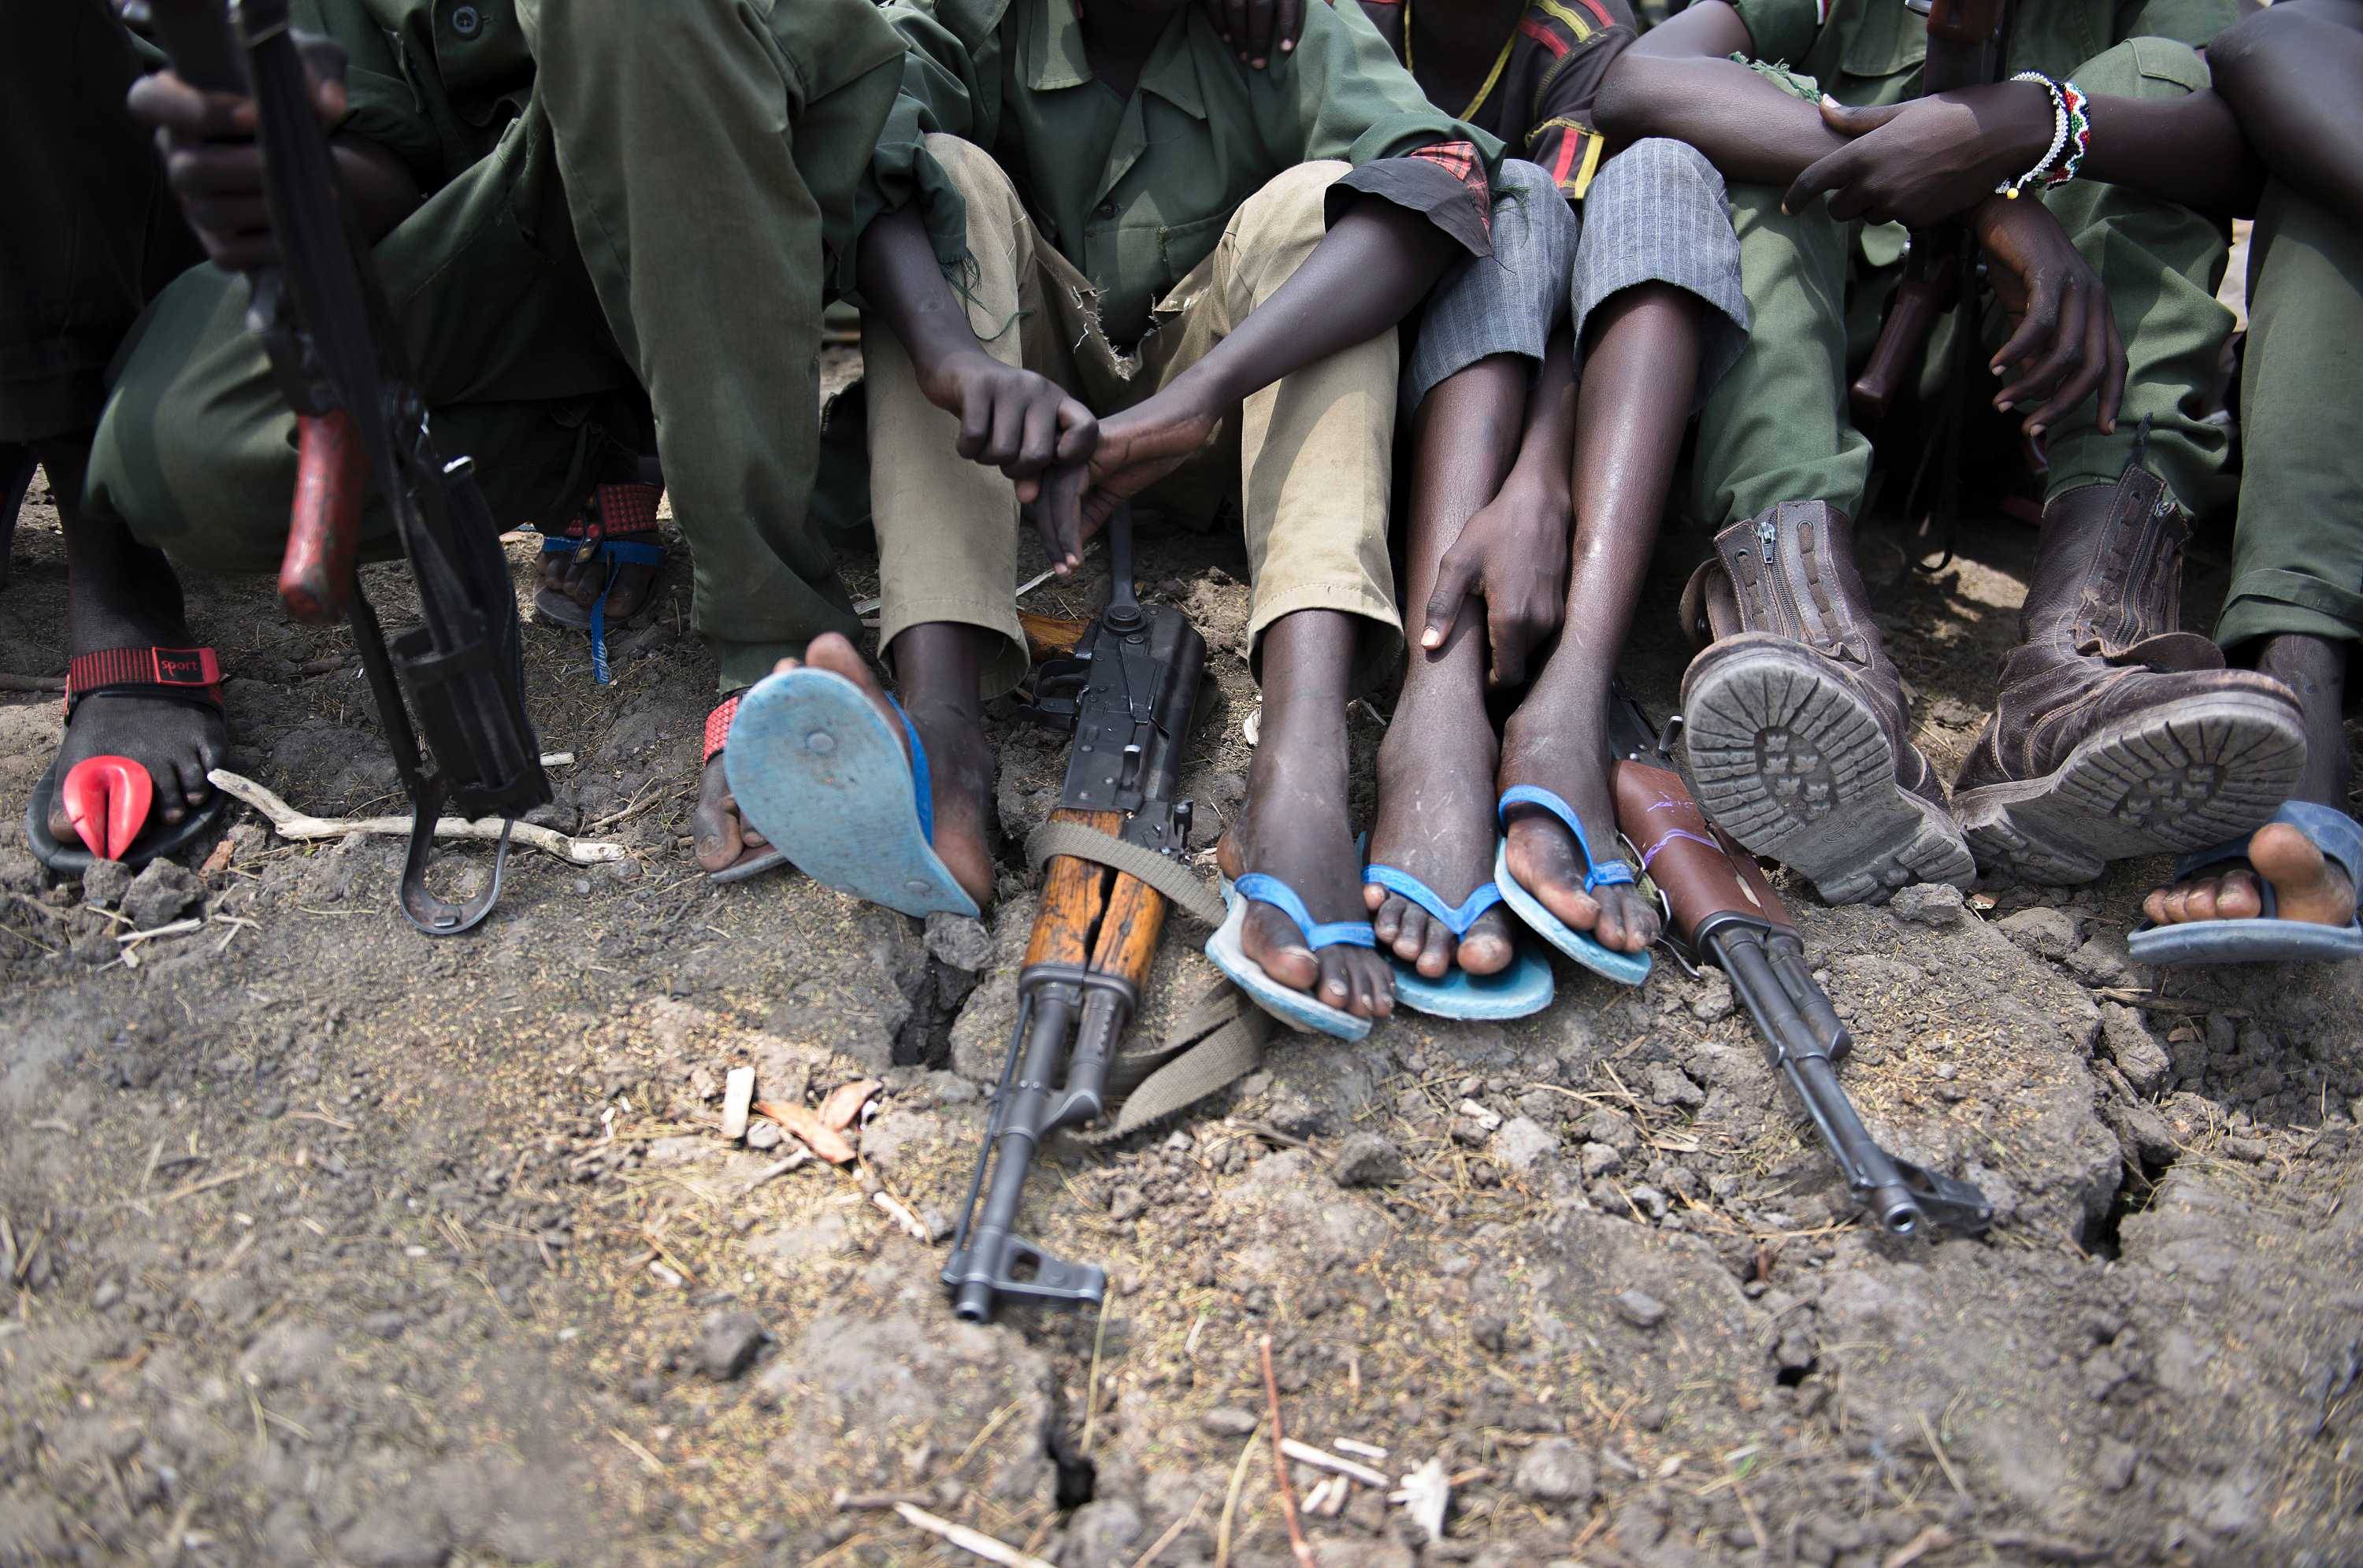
315 575
1964 50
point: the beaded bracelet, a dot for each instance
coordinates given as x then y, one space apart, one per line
2059 133
2079 132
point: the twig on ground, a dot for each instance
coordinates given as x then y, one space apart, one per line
1944 1461
914 1228
31 682
1231 1498
178 928
1297 1542
1307 1453
1092 1385
1936 1537
781 1168
289 822
1173 1533
969 1541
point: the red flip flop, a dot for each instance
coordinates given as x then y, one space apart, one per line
756 859
109 799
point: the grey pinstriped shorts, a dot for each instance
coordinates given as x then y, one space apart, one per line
1655 213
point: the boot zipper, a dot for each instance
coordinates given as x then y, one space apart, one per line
1768 536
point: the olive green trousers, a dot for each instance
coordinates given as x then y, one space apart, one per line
1778 427
645 245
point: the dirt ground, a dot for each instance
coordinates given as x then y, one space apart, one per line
321 1242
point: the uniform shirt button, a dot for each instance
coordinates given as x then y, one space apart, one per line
1105 210
466 21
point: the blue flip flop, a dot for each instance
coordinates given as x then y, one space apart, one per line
816 767
2266 939
1294 1007
1524 989
1627 969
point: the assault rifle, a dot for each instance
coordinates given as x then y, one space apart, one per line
1126 693
323 319
1723 912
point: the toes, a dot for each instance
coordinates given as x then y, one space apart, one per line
2200 901
2237 897
2155 906
1387 921
195 788
2306 885
1274 945
1381 993
1337 981
1489 947
1412 928
169 806
1435 955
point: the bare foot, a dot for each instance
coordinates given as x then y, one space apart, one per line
2306 885
717 833
943 706
1435 822
1296 829
1561 745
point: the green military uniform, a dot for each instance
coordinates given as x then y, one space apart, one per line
1110 242
93 235
1778 427
620 197
2297 560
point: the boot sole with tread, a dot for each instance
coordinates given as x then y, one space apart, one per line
1793 764
2182 775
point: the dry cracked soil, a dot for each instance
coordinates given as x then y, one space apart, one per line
322 1241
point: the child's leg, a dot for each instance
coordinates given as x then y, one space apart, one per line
1437 764
1659 307
1488 325
1315 455
1631 407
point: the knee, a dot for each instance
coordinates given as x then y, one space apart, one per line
974 172
1657 173
2145 67
1293 205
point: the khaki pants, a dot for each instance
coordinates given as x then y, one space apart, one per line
1311 451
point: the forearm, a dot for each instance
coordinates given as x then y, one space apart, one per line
2290 75
1375 264
1749 126
903 284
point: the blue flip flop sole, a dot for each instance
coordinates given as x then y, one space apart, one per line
1292 1008
2266 939
1625 968
821 772
1523 989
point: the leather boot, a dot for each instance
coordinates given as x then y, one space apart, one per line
2116 732
1795 718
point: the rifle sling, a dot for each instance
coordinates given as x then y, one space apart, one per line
1220 1039
1164 874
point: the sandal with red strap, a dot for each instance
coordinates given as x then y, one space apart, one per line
108 798
618 526
755 860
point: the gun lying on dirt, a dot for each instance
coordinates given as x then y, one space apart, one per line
323 318
1126 693
1723 912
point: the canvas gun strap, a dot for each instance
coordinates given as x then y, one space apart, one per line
1220 1039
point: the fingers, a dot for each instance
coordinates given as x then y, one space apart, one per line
164 102
1290 25
1514 633
1059 519
1079 434
1818 177
1455 576
976 421
1038 441
2065 370
2037 327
